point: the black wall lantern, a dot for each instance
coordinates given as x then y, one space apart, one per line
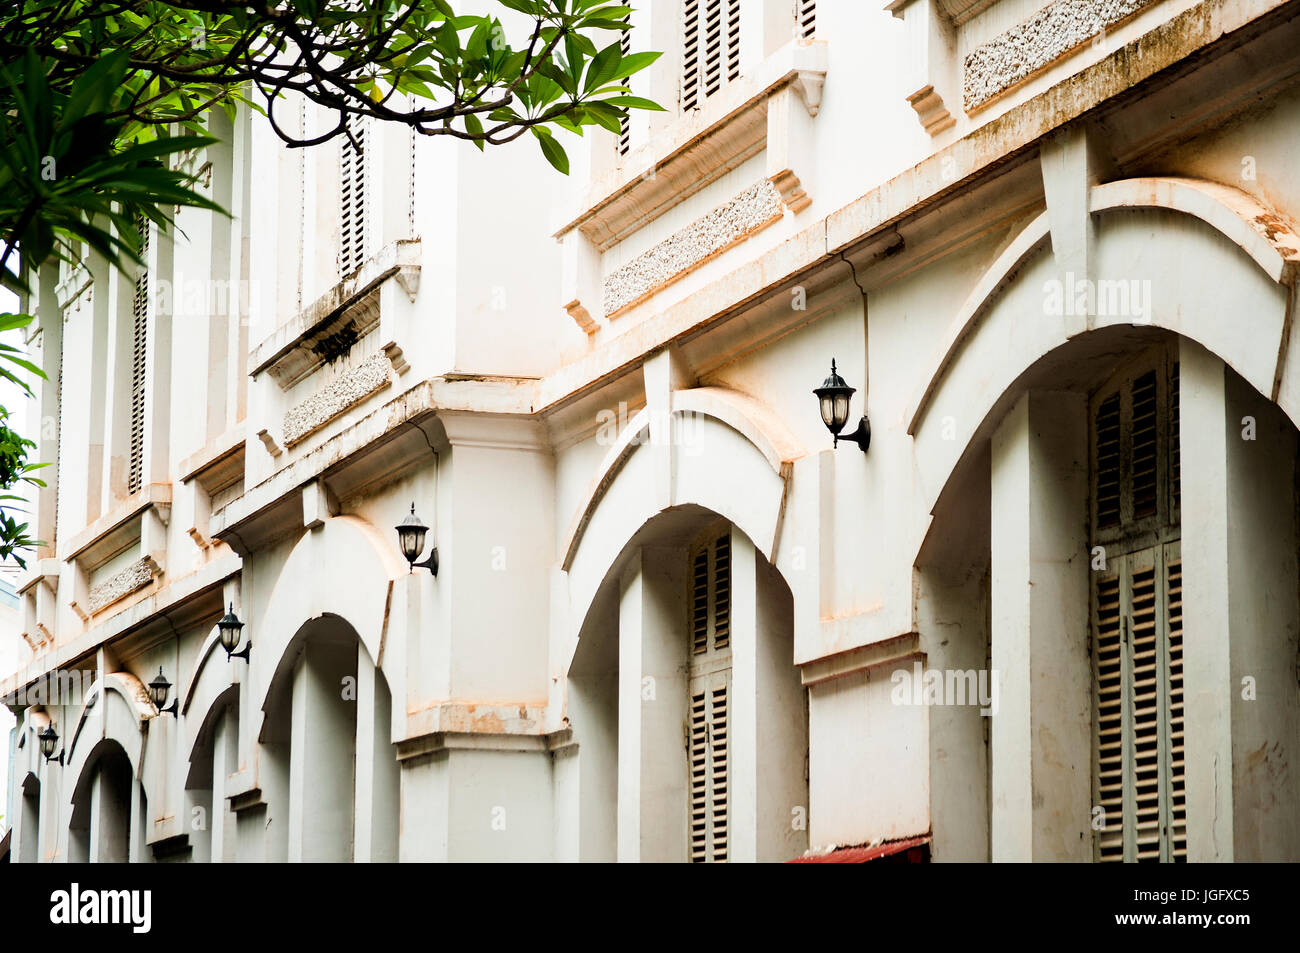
410 536
158 691
834 396
229 628
49 739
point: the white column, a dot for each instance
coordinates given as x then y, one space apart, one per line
1041 745
742 820
377 776
224 760
1264 603
652 709
321 756
1207 692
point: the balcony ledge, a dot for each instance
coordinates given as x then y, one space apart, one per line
117 529
696 149
293 351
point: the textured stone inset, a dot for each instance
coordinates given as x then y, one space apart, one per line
135 576
1035 43
753 209
349 388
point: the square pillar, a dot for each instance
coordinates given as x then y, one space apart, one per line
1040 741
1241 619
652 709
225 762
378 776
1207 689
321 766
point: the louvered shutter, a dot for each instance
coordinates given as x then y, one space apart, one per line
1177 800
1106 483
1145 446
352 197
1136 644
709 687
805 15
711 48
139 351
1175 445
1108 718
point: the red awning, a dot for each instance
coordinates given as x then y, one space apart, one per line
861 855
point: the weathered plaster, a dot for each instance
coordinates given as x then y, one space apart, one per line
346 390
1034 43
751 210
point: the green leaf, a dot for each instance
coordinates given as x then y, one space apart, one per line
475 128
603 67
553 151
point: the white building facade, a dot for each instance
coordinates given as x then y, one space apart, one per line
1051 613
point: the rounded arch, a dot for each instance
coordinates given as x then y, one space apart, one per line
110 762
115 708
325 575
721 439
201 737
1220 251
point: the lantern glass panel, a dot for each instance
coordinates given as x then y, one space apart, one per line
841 410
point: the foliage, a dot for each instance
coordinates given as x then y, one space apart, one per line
486 79
101 100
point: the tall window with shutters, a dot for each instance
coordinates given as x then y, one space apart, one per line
709 688
710 48
139 350
352 196
1137 633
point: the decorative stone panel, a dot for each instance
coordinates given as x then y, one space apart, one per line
134 577
753 209
346 390
1037 42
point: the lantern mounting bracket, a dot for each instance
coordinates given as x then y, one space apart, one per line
861 436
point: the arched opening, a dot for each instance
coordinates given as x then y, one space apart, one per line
101 824
684 662
209 821
1117 546
30 821
331 780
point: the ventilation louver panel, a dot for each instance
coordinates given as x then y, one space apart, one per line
691 53
710 48
352 197
139 357
625 121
